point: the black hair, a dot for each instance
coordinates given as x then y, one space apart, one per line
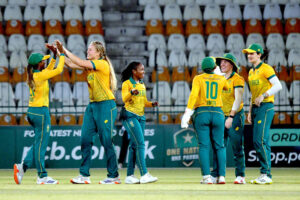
30 80
127 72
265 55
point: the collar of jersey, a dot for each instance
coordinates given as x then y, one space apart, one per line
134 82
258 66
35 70
231 75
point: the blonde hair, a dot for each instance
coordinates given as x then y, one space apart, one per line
102 53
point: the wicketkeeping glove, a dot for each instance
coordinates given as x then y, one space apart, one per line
186 118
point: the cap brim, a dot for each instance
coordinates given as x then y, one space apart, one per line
218 62
248 51
46 57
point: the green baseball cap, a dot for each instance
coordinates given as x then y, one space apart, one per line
254 48
35 58
230 58
208 63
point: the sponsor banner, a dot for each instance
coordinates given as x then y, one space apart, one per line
165 146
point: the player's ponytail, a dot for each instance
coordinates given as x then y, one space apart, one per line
30 80
127 72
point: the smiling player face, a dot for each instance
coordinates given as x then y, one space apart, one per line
92 53
139 72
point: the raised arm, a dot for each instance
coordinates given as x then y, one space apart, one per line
78 61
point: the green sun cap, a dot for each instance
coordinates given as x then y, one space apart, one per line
35 58
254 48
230 58
208 63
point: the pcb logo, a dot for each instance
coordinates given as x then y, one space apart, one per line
185 140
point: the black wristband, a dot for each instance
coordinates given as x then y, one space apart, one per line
131 92
231 116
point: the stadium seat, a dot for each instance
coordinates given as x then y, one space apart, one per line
255 38
4 73
22 96
281 101
212 11
36 2
282 118
14 27
81 96
165 2
193 26
76 2
252 11
53 119
73 19
93 2
295 94
214 26
95 37
240 2
275 41
19 75
91 12
294 57
53 18
165 118
80 119
232 11
185 2
152 11
18 59
36 43
180 91
215 41
33 12
273 26
222 2
174 26
253 26
163 74
292 41
202 2
93 17
178 118
164 94
192 11
54 37
3 45
7 96
260 2
195 42
176 42
282 2
76 42
3 2
216 52
296 118
12 12
34 27
180 73
160 59
64 76
55 2
195 58
63 93
235 41
233 26
156 41
17 2
24 120
177 58
277 59
292 26
66 120
291 10
154 26
78 75
172 11
8 120
272 10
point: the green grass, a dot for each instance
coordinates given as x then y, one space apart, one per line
173 184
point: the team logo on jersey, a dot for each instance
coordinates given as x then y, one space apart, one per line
131 123
185 147
48 128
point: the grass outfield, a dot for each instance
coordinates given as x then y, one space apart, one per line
173 184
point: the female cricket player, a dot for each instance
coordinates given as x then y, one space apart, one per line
263 84
205 105
100 114
38 112
234 117
134 97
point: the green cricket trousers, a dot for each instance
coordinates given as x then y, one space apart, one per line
39 118
209 125
99 118
135 126
262 118
236 136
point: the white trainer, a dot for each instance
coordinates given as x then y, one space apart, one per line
214 179
132 180
240 180
221 180
81 180
111 181
148 178
18 173
206 180
262 179
46 181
